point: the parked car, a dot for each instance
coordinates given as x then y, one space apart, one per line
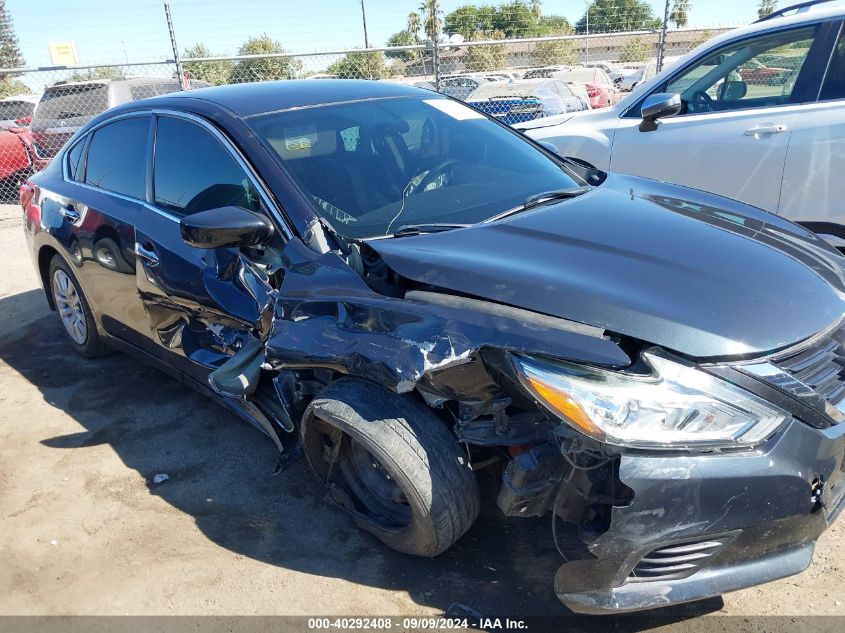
600 89
777 145
460 86
525 99
17 111
407 289
629 78
15 160
65 106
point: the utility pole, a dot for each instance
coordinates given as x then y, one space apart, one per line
177 61
661 44
364 18
587 3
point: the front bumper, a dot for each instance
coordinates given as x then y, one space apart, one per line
702 525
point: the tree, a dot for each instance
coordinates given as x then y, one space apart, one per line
216 73
766 7
401 38
106 72
10 52
265 69
487 56
680 13
414 26
468 21
557 51
607 16
372 65
635 50
537 9
515 19
10 87
430 12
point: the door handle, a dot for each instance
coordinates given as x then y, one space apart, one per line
767 128
147 254
70 214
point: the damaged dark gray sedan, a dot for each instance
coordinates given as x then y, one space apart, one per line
407 291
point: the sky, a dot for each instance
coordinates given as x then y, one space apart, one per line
118 31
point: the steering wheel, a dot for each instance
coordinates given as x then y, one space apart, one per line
440 169
701 101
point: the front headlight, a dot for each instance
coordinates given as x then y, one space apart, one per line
674 407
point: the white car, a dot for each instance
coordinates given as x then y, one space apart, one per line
756 114
17 111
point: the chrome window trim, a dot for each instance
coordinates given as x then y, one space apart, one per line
259 185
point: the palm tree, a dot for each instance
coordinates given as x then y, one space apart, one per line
680 13
431 19
766 7
414 25
537 9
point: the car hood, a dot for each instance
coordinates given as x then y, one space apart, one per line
582 116
696 273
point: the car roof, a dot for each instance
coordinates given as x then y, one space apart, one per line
27 98
246 100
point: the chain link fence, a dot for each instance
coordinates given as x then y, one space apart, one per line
513 79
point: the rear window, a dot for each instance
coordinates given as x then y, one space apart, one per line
110 166
147 90
499 89
73 102
10 110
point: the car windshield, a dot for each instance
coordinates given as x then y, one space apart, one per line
372 167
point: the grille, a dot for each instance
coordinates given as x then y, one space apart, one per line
821 366
674 562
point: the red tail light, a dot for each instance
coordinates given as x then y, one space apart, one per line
27 193
24 121
593 91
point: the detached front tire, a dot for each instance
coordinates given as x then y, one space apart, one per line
392 464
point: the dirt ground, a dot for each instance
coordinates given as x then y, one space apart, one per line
84 529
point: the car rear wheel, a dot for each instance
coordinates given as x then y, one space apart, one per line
392 464
74 311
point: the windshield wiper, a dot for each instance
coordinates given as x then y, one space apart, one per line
543 197
418 229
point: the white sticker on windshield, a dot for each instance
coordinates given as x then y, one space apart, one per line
454 109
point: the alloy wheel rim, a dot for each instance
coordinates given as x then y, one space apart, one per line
69 305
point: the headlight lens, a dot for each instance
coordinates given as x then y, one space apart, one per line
674 407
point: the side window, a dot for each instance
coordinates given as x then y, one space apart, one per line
74 158
117 157
759 72
193 171
833 86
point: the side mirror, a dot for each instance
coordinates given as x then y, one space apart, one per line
225 226
732 90
657 106
549 146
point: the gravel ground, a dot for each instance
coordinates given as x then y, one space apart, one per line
86 531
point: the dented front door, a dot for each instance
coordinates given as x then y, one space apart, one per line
202 304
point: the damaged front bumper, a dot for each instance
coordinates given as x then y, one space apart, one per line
697 526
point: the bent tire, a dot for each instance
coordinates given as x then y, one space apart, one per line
392 464
74 311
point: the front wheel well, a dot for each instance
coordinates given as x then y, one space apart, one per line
45 256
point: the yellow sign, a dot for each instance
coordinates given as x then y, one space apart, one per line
63 53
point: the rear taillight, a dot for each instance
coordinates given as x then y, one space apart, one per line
27 192
24 121
593 91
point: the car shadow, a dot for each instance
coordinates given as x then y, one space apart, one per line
220 474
